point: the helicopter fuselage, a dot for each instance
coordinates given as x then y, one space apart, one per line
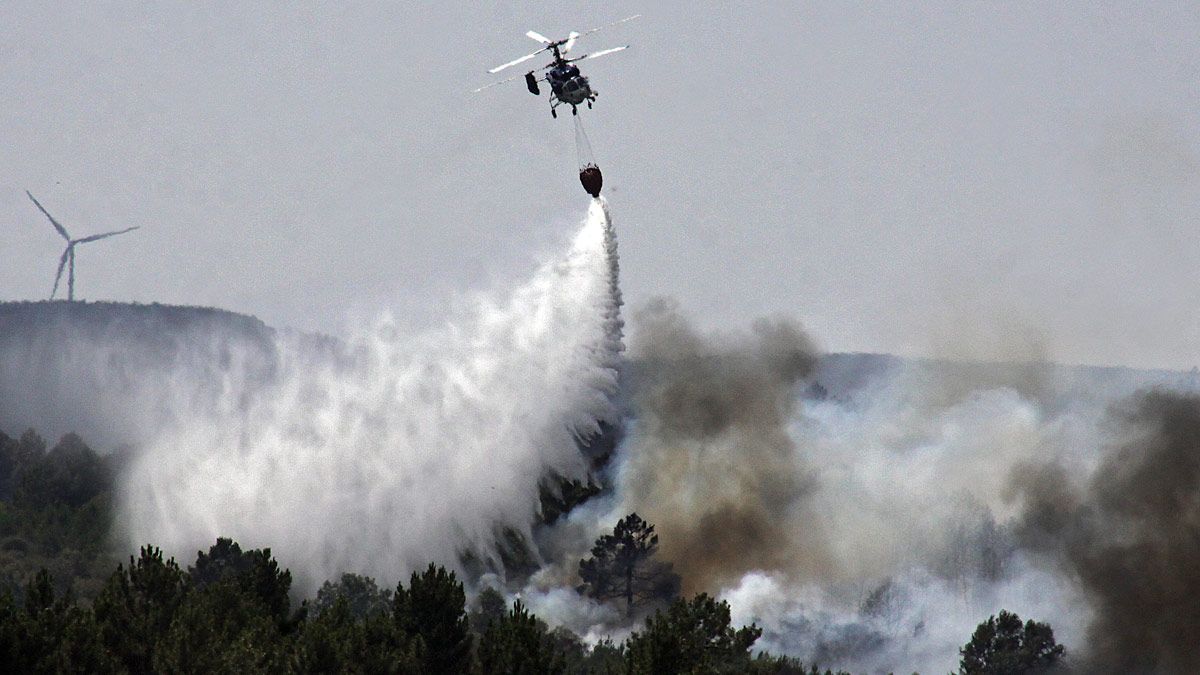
568 85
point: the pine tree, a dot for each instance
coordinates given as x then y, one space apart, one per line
1001 645
622 566
433 609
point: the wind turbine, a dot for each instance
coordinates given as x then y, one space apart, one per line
69 254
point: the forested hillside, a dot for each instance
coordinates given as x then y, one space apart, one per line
67 605
56 513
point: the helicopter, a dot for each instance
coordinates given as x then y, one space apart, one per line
567 84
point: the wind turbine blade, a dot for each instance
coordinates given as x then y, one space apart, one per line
516 61
539 37
570 42
94 237
62 262
489 86
58 226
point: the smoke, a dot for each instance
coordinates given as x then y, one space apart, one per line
399 450
1130 535
868 523
710 461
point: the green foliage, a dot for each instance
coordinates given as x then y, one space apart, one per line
221 628
518 643
231 610
606 658
567 645
79 649
766 664
12 635
516 553
1001 645
45 619
138 604
51 634
71 474
17 456
433 609
490 607
362 596
55 513
692 637
254 572
622 566
337 641
560 496
153 617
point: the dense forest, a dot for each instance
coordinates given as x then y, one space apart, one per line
68 604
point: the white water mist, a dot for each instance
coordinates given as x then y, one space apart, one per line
398 450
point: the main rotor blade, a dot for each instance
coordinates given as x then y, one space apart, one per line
615 23
58 226
489 86
94 237
570 42
61 263
539 37
516 61
602 52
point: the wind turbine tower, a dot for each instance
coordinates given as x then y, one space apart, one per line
68 256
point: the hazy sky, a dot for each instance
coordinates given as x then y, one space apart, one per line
961 179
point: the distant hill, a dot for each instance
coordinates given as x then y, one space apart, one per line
152 322
848 376
114 371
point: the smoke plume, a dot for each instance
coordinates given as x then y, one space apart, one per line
710 460
1131 536
867 523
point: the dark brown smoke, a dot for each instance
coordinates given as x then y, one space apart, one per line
1131 537
710 459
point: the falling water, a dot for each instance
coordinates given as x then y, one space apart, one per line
399 450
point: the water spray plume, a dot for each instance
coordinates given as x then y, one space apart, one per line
403 450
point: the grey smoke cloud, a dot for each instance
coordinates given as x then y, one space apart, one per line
1130 535
872 528
709 459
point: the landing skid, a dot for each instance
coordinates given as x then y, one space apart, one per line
554 103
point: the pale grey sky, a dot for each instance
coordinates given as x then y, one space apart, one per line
963 179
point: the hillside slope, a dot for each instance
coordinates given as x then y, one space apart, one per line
86 367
